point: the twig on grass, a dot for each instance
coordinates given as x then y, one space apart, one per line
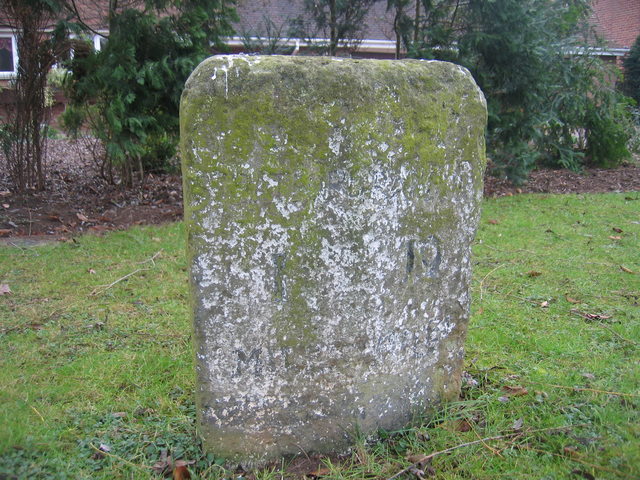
485 277
607 327
495 451
573 458
38 413
426 458
584 389
528 300
27 249
97 291
155 255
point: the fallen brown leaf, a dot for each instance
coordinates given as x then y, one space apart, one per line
615 237
4 232
514 391
591 316
583 473
625 269
181 472
320 472
571 451
494 222
92 271
81 217
4 289
617 230
533 273
462 426
572 300
164 465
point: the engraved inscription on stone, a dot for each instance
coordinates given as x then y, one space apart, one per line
426 253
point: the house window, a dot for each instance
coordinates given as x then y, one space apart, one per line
8 56
99 42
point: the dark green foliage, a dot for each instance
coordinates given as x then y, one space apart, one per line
608 127
631 85
159 149
128 93
547 104
549 101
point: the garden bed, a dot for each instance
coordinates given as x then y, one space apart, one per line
78 200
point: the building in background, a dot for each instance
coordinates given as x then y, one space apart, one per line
617 22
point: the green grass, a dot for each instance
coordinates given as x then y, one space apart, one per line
553 346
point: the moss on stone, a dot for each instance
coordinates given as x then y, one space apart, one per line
267 144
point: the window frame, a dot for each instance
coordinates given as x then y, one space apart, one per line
7 75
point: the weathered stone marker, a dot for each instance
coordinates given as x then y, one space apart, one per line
330 207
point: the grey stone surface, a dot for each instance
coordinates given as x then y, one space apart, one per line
330 207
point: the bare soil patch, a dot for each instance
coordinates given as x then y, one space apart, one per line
78 199
625 178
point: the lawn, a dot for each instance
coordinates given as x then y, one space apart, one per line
97 377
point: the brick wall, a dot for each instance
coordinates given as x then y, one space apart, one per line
618 21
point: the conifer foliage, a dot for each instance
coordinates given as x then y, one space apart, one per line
128 93
550 100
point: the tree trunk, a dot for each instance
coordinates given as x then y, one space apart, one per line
396 28
416 24
333 27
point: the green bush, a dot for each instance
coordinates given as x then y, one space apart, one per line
128 93
609 129
550 102
159 151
